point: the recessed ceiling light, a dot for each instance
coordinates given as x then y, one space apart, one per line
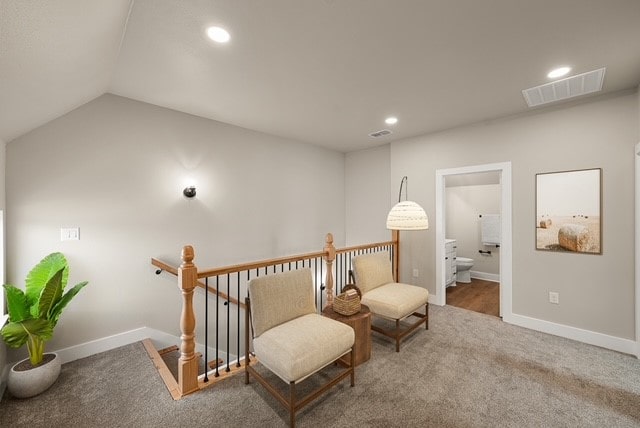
391 120
558 72
217 34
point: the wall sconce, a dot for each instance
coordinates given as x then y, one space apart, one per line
189 191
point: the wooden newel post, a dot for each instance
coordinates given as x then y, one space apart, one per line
188 363
329 257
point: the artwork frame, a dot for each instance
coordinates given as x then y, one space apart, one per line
568 211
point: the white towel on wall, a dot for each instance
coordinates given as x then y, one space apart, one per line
490 229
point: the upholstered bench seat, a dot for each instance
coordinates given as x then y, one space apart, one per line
300 347
395 300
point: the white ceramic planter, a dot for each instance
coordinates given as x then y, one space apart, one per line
24 384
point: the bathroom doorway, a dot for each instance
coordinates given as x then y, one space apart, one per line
482 244
471 222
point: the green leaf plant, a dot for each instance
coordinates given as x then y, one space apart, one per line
34 313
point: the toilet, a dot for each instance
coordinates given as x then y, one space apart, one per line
463 269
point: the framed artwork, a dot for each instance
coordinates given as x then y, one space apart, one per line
569 211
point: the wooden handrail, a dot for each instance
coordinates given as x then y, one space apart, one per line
267 262
259 264
242 267
162 265
363 247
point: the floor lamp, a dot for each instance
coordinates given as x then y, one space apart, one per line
405 215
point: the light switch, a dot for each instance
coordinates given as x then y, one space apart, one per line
70 234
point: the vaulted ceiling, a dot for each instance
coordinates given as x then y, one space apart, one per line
325 72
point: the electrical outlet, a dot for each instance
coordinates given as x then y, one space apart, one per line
554 297
416 273
70 234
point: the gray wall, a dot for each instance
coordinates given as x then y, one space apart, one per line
368 195
116 168
596 291
464 206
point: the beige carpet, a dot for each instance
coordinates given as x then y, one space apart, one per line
468 370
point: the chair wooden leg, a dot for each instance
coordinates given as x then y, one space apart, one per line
426 314
397 334
353 365
290 401
292 404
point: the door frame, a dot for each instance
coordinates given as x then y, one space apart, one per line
506 245
637 246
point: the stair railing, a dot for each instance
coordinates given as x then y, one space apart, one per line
228 286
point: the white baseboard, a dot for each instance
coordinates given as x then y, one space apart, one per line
486 276
433 300
619 344
159 338
87 349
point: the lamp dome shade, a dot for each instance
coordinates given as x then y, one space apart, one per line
407 215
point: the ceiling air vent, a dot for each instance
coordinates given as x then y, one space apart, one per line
380 133
563 89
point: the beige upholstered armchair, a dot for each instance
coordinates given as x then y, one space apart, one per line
387 298
290 338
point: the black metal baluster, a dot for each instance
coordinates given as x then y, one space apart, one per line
248 326
206 325
338 274
228 305
341 271
315 279
321 283
217 323
238 323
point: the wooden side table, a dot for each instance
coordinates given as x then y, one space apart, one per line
361 324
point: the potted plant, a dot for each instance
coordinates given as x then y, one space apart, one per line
33 315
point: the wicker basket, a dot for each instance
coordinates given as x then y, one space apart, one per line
346 304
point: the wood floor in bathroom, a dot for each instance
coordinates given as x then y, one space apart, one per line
478 296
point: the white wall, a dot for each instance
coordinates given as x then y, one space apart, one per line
596 291
3 348
116 168
464 205
368 195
